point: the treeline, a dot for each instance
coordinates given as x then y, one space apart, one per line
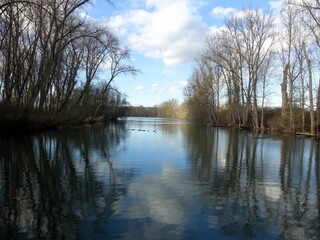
50 57
167 109
254 53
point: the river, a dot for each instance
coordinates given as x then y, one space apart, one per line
153 178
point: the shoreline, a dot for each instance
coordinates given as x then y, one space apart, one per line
20 127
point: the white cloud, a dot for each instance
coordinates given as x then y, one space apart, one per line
173 88
169 30
276 5
139 88
159 198
177 86
154 86
167 72
220 12
136 3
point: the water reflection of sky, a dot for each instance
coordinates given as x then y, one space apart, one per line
157 196
182 181
149 150
165 197
161 197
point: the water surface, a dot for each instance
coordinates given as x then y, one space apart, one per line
147 178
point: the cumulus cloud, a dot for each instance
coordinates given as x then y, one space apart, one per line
275 5
160 198
169 30
221 12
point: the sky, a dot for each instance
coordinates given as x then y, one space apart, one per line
164 37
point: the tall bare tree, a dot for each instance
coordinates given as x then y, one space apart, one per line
312 117
242 52
45 49
309 13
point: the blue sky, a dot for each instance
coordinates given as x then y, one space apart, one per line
164 36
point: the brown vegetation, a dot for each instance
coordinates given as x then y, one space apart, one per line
235 75
50 59
167 109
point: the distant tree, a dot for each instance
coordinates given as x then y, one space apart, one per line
168 109
203 91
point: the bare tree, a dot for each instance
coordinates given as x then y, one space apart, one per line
45 48
312 119
258 35
309 14
98 44
204 90
290 54
222 51
117 64
249 40
241 55
264 75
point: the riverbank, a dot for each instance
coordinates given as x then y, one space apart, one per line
266 130
21 126
18 127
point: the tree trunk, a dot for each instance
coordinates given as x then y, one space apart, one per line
291 97
318 109
302 98
284 86
312 120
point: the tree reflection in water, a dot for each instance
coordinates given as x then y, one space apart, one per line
182 181
50 182
257 186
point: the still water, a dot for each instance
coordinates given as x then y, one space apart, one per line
147 178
